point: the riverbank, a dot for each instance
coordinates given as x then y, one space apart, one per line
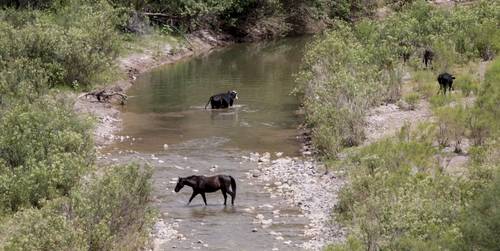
107 115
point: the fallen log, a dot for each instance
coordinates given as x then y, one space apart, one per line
104 96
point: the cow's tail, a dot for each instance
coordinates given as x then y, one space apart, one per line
208 102
233 186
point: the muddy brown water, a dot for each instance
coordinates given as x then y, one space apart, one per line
166 106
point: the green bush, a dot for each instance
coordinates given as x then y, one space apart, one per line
109 211
466 84
396 194
112 209
412 100
342 75
426 83
488 97
44 150
41 229
73 45
481 221
452 126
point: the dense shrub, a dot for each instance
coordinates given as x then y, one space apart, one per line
488 101
41 229
481 220
466 84
73 44
397 195
343 74
452 126
44 150
112 210
109 211
354 67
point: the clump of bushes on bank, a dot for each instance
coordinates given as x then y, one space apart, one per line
353 67
71 44
109 211
51 195
400 197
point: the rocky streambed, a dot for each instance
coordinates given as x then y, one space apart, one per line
304 183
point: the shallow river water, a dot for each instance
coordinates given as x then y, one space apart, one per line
166 106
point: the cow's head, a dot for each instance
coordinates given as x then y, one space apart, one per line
233 94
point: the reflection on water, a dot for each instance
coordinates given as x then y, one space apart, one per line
167 105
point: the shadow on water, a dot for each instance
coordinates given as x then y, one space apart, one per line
168 108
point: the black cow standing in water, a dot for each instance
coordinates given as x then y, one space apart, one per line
428 57
222 100
445 81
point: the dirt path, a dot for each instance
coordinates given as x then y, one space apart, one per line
386 120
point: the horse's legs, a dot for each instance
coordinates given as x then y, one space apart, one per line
192 197
204 199
225 195
232 196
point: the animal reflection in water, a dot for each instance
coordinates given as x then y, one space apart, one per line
222 100
204 184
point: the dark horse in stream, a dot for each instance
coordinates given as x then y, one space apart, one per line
204 184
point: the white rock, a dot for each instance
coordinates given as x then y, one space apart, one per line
266 206
165 146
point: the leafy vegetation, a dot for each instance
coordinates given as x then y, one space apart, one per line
400 195
356 66
107 213
51 197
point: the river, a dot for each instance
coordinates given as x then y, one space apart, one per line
165 124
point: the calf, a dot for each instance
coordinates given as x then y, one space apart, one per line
445 81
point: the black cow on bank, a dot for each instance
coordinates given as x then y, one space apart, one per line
222 100
445 81
428 57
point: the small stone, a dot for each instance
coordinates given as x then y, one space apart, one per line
165 146
205 245
199 242
254 230
266 206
